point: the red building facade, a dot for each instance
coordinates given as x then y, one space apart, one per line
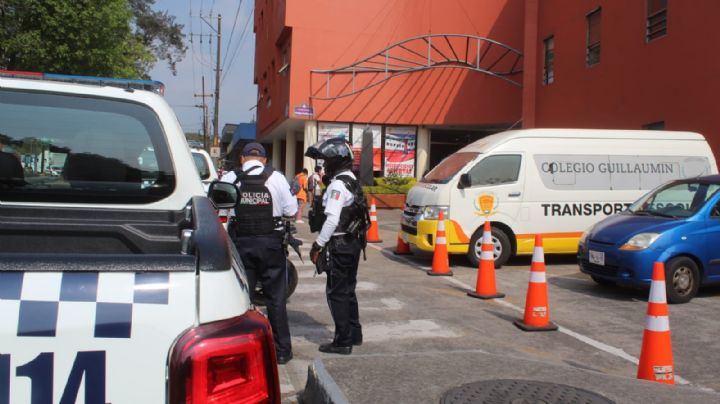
655 65
445 73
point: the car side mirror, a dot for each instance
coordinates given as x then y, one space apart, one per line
223 194
464 181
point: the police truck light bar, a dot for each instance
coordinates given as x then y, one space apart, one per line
148 85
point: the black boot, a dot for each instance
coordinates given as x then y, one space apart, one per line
284 358
336 349
357 338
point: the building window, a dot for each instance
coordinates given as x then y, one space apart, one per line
285 63
656 19
549 63
593 38
660 125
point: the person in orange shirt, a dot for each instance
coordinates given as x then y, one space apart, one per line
302 195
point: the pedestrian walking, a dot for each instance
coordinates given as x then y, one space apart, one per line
340 241
257 228
315 187
302 195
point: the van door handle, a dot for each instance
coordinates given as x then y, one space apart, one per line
514 194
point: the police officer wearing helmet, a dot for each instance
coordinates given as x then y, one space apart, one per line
342 237
257 228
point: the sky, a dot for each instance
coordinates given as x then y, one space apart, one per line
237 91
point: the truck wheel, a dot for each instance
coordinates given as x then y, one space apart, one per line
682 279
501 247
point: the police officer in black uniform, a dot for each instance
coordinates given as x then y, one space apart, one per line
341 239
257 228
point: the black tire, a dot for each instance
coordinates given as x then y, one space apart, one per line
602 281
292 278
259 297
501 247
682 280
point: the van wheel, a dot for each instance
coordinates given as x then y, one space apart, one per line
501 247
682 279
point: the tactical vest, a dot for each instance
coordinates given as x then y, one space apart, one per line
254 207
355 218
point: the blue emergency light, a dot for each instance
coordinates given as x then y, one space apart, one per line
148 85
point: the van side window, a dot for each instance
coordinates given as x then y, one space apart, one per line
493 170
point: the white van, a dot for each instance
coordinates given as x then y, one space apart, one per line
205 166
556 182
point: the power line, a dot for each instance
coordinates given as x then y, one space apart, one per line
232 31
212 6
238 46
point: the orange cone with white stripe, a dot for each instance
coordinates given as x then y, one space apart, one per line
656 361
485 286
441 262
537 311
373 234
402 248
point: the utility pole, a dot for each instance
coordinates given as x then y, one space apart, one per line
216 139
204 107
216 113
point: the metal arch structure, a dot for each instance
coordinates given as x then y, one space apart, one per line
419 53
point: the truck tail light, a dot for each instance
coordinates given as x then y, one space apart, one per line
227 361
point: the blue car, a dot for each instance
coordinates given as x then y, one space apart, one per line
677 223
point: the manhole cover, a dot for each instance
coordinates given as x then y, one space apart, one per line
520 392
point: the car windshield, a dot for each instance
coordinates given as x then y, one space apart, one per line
675 200
68 148
450 166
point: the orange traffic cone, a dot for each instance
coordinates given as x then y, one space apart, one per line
537 312
373 234
441 263
656 361
402 247
485 285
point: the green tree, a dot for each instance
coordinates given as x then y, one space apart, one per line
121 38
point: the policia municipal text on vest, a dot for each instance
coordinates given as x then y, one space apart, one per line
254 208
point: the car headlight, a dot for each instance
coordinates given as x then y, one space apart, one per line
432 212
585 234
640 241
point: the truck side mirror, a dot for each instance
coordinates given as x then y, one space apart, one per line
223 194
464 181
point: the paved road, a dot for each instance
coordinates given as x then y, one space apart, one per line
423 335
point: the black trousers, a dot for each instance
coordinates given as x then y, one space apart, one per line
340 288
264 260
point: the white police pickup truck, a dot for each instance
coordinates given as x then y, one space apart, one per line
117 282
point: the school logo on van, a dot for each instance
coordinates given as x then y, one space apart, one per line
485 204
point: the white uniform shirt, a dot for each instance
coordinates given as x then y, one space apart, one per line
336 197
316 182
284 203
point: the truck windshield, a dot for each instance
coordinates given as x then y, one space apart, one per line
446 170
675 200
78 149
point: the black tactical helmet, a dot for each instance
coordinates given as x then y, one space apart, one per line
335 152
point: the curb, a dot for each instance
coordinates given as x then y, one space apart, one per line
321 387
